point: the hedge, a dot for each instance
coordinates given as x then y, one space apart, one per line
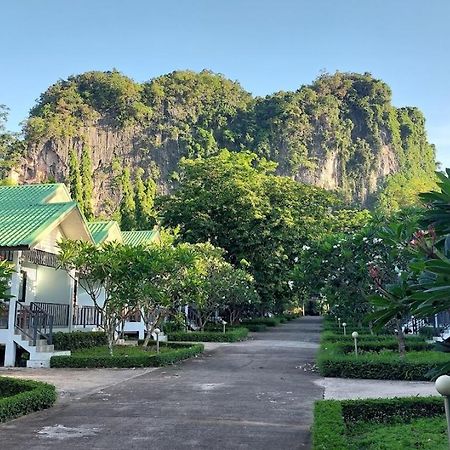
78 339
387 365
179 352
231 335
268 321
331 417
256 327
20 397
330 336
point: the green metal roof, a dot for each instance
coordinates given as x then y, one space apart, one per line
22 226
100 230
27 194
139 237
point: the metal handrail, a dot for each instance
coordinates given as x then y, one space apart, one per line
34 322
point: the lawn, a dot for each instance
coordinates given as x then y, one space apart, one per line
380 424
426 434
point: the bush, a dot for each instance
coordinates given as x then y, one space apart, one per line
176 353
79 339
268 321
332 418
256 327
19 397
231 335
330 336
386 365
428 332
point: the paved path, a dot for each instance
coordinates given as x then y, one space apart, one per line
350 388
256 395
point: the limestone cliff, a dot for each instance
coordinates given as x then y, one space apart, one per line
339 133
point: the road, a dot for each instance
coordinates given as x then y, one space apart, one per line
256 394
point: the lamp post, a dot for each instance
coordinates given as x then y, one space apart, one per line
345 331
443 387
355 338
339 322
224 326
157 331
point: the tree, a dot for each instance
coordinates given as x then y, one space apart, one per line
75 183
144 199
127 204
87 182
6 271
103 272
11 146
234 201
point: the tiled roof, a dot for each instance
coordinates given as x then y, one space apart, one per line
27 194
139 237
22 226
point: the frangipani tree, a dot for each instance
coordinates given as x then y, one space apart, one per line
104 273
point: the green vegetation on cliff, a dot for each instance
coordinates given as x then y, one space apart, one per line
347 118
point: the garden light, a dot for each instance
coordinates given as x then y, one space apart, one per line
224 325
355 338
339 321
443 387
157 331
345 331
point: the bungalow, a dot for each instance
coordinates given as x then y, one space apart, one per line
33 219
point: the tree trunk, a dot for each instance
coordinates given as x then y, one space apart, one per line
401 338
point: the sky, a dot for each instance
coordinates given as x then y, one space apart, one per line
266 45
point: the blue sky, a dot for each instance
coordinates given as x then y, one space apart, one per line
267 45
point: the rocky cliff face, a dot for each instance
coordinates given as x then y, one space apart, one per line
340 133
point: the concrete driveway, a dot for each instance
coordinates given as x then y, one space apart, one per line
256 394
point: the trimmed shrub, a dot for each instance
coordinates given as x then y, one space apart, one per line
268 321
384 410
385 365
330 336
231 335
20 397
79 339
256 327
178 353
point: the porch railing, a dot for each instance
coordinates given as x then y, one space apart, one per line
87 316
34 322
59 311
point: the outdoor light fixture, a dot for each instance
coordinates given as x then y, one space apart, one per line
339 321
443 387
355 338
224 325
345 331
157 331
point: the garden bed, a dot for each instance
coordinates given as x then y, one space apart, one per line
127 356
20 397
388 424
230 335
379 360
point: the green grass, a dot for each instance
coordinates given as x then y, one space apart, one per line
380 424
426 434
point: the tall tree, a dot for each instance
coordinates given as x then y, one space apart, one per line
144 198
75 184
127 204
234 201
87 182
